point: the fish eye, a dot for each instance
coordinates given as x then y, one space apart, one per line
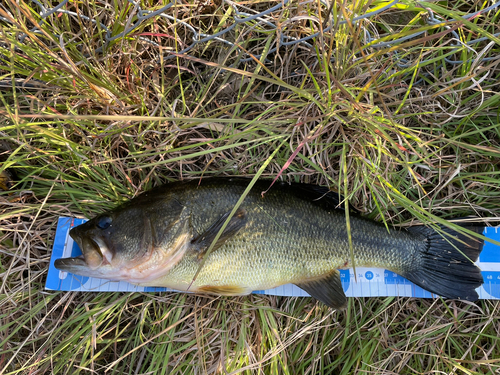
104 222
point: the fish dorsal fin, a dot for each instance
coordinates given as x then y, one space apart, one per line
202 242
327 289
320 196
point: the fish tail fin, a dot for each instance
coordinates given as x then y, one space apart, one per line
445 265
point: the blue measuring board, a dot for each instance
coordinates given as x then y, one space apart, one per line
489 262
366 282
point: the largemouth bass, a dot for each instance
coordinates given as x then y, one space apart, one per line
293 234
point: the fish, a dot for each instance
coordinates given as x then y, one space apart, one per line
294 233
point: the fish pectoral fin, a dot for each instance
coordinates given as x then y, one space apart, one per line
328 289
202 242
224 290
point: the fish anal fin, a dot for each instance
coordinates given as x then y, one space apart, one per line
327 289
202 242
223 290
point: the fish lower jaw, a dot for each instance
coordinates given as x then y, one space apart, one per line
144 275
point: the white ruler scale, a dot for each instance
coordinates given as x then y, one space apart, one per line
369 282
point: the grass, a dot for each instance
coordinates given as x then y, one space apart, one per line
404 134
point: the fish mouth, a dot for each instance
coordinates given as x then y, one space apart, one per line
93 256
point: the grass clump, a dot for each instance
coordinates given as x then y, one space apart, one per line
397 113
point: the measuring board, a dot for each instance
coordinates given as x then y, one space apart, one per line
369 282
